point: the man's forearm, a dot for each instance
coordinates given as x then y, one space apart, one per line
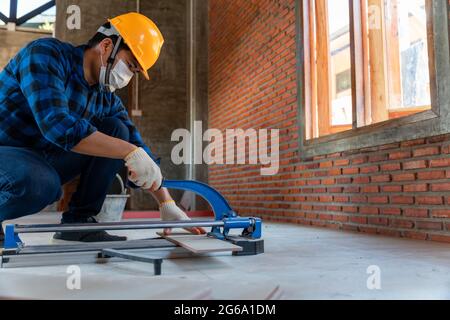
102 145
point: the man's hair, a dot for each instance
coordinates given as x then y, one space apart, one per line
99 37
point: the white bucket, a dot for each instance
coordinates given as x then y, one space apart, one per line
114 205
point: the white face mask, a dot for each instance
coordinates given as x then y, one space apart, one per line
119 76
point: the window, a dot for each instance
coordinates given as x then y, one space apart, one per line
29 14
393 62
367 65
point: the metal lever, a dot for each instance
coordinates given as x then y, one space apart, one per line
111 253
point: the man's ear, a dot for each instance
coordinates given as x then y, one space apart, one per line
106 45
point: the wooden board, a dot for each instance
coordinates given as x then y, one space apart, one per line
200 243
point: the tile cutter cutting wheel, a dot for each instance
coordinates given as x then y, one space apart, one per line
16 253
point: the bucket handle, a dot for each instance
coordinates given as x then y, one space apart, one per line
121 184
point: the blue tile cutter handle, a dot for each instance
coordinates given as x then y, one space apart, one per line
222 210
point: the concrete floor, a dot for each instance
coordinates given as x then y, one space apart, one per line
299 263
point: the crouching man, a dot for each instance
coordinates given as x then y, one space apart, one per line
60 118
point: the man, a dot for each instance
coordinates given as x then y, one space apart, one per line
60 118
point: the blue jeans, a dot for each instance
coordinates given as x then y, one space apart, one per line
30 180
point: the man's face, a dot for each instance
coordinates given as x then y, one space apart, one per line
106 48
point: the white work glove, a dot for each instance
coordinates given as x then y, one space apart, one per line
144 172
171 212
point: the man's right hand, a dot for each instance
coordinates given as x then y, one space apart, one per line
144 172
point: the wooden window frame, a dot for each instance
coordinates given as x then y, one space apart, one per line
435 121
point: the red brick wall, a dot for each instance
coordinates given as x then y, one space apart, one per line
401 189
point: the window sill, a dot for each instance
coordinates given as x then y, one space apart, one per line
416 126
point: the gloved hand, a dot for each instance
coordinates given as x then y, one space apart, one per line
171 212
143 171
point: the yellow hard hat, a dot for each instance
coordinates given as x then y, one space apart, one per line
142 36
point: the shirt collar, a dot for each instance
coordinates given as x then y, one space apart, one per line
78 65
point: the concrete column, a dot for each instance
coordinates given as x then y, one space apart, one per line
164 99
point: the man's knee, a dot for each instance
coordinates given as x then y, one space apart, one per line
28 191
114 127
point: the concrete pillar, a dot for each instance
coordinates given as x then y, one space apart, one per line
164 99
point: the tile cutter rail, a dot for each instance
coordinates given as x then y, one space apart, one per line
17 254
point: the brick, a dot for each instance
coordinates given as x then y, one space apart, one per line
314 182
341 162
390 146
378 157
369 210
370 189
390 211
341 199
441 213
327 164
440 187
392 188
439 238
358 199
381 178
344 180
415 235
361 180
413 143
334 172
439 163
391 167
423 152
415 213
349 209
371 169
402 200
403 177
351 189
429 200
423 187
428 225
445 149
326 198
349 171
413 165
403 224
359 160
436 139
358 220
327 217
431 175
311 216
328 182
378 199
340 218
379 221
399 155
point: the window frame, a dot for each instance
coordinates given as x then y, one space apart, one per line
421 125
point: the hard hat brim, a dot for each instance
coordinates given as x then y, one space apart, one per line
145 73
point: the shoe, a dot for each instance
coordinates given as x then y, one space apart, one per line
2 237
88 236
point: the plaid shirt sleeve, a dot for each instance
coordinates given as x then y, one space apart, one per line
42 75
119 111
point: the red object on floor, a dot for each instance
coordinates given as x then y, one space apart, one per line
155 214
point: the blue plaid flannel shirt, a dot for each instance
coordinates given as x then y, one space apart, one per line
45 100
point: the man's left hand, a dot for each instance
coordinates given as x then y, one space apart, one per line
171 212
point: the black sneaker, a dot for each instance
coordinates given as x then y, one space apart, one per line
2 236
87 236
